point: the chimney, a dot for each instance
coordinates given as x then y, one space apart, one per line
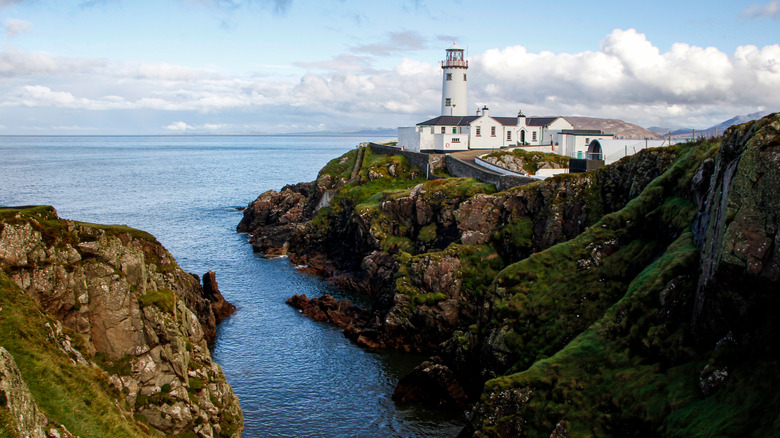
478 111
520 118
485 110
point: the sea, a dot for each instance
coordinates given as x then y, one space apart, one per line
294 377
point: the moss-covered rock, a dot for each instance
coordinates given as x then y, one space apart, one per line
111 305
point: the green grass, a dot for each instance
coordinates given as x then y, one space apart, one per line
163 299
46 219
79 397
599 348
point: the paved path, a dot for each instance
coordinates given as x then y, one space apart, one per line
470 155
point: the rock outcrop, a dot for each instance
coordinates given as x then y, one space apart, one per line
635 298
134 312
22 412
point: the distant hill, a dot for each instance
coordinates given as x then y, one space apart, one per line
720 127
617 127
712 131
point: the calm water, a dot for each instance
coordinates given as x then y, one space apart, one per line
294 377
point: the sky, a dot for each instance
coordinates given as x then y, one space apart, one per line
127 67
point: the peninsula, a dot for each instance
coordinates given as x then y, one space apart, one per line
635 299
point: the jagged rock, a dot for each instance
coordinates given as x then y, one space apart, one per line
222 308
123 292
434 384
737 230
26 419
326 309
273 216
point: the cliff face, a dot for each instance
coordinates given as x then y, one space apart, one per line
425 250
685 345
119 302
635 298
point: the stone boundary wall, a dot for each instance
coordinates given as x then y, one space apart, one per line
462 169
417 159
454 167
490 166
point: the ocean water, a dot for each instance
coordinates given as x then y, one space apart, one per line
294 377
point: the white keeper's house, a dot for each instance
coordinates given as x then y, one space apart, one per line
454 130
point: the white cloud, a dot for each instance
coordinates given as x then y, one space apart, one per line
184 126
769 10
627 74
178 126
6 3
627 78
14 27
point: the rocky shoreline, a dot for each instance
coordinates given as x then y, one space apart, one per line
131 326
534 300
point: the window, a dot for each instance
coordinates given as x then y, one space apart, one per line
464 77
455 140
432 130
449 76
533 136
509 136
447 101
587 140
479 131
492 131
443 130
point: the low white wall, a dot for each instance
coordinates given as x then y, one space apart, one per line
546 173
409 139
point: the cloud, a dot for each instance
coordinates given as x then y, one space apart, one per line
6 3
629 73
343 62
183 127
279 6
769 10
14 27
395 42
628 78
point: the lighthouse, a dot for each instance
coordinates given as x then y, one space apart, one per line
453 90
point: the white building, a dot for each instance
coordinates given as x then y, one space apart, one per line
453 88
613 149
454 131
577 143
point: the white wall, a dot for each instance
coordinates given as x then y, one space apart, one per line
455 90
485 140
447 142
409 138
615 149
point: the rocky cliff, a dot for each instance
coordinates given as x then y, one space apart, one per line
634 300
108 332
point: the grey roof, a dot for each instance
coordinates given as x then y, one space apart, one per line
583 132
506 121
466 120
450 121
539 121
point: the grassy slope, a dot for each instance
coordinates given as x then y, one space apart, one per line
597 348
76 396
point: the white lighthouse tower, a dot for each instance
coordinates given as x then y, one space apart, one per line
453 90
